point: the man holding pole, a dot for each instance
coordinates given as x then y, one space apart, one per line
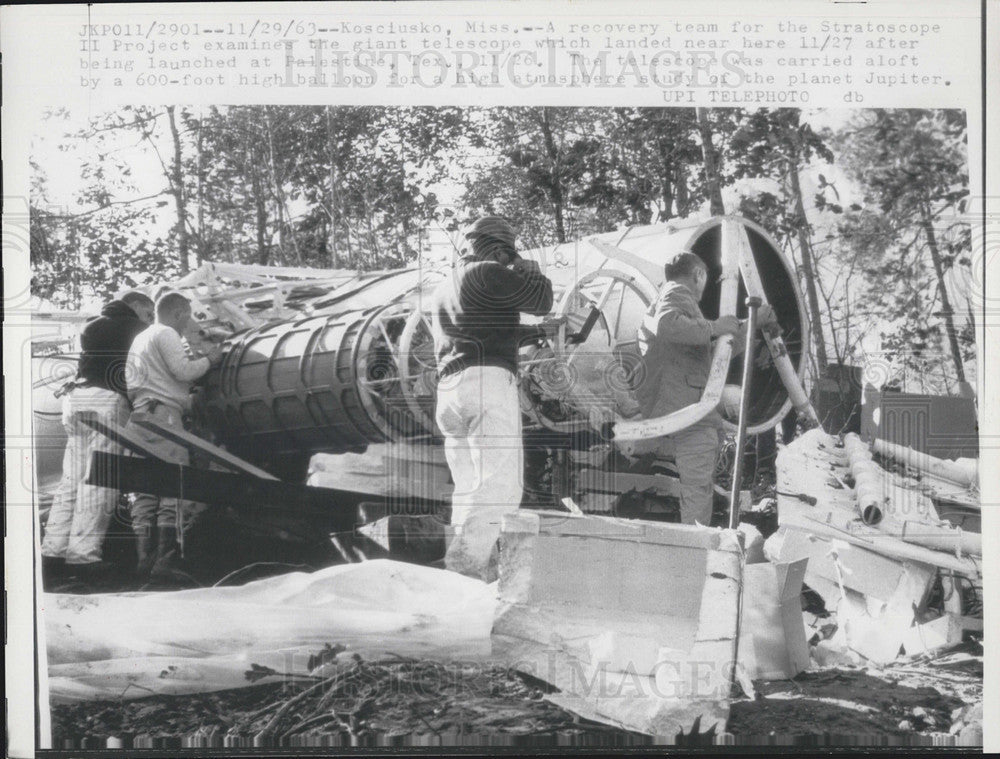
675 341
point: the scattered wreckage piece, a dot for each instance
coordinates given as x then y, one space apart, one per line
835 564
773 642
951 485
885 500
875 547
813 495
963 472
125 646
936 635
634 622
874 628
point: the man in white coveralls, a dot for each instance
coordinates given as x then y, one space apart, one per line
80 513
475 322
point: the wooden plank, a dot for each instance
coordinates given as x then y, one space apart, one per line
561 524
213 452
134 474
122 437
621 482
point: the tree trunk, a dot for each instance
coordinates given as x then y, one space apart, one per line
666 186
332 153
947 313
555 191
177 190
375 253
805 249
200 252
277 183
711 163
683 196
260 203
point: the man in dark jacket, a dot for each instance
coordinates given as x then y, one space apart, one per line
105 341
80 513
475 323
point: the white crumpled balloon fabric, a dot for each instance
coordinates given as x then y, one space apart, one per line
130 645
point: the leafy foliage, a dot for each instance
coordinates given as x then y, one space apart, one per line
362 187
913 167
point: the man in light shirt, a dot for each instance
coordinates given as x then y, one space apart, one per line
161 375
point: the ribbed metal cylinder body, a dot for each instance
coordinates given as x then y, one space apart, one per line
291 388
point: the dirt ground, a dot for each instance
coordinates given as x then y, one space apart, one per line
406 701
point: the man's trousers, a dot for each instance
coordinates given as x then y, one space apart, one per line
695 451
479 413
152 510
80 513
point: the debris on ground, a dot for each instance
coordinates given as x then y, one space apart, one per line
889 607
365 701
374 702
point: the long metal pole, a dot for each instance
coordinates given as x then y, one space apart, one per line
753 303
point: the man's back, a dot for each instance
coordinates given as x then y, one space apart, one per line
675 341
104 343
476 313
160 369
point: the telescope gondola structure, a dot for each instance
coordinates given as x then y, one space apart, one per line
336 363
333 361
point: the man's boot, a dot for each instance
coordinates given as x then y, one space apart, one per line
145 548
53 571
167 567
95 575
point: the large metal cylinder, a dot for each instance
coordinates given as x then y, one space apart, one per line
338 382
327 383
48 435
769 400
646 249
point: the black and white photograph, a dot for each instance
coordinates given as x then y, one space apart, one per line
534 426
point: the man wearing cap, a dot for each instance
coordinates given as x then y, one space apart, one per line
475 320
81 513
